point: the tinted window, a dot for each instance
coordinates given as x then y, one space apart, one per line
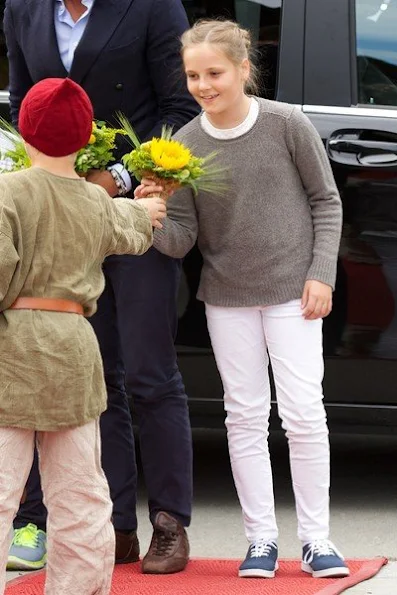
377 51
262 17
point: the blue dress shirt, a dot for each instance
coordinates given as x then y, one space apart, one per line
68 34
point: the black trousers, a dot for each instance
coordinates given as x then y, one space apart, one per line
136 324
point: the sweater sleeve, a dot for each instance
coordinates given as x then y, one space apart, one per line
311 161
131 227
180 228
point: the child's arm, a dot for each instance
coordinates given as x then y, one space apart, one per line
131 227
9 257
180 229
8 262
309 155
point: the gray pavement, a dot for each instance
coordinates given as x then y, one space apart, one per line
363 503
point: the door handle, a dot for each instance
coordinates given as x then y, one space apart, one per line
376 149
369 147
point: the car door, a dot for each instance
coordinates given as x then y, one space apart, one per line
350 95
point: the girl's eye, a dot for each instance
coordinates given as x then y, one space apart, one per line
215 73
192 76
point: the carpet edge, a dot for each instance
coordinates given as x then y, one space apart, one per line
368 570
20 579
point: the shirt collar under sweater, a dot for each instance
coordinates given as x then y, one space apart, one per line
228 133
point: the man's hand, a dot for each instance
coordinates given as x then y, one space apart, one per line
316 300
157 209
104 179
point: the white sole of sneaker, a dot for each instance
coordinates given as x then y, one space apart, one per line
338 572
14 563
258 573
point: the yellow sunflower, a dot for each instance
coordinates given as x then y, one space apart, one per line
169 154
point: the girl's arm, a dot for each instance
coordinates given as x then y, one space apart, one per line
180 229
309 155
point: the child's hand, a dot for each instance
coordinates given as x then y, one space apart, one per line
157 210
316 300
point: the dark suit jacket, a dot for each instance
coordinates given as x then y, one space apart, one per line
128 59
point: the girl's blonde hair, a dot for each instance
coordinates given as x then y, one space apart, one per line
233 39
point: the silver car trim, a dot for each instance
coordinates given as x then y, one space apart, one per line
373 112
4 96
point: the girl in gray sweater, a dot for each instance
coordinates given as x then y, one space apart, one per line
270 250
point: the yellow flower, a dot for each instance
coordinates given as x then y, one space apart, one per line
146 146
169 154
92 139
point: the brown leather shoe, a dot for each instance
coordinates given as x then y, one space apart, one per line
169 548
127 547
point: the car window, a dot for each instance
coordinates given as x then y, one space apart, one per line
262 17
376 26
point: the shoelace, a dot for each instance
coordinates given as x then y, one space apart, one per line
26 536
321 547
163 542
261 548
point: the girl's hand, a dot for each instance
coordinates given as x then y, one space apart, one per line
145 188
316 300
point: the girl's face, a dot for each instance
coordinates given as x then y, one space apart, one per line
215 82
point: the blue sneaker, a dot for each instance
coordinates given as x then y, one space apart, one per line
321 559
261 560
28 550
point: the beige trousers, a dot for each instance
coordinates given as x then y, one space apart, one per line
80 535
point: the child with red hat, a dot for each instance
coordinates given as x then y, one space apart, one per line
55 230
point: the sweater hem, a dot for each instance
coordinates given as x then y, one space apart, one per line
216 295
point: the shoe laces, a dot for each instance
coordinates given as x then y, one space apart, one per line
320 547
163 542
262 548
27 536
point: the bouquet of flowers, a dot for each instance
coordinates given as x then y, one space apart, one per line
95 155
99 150
170 163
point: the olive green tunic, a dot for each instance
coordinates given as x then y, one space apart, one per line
54 234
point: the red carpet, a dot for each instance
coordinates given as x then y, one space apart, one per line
217 577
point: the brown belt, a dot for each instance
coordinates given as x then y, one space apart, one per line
50 304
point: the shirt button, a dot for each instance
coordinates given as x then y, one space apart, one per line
119 86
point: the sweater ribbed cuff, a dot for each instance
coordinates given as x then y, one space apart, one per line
324 270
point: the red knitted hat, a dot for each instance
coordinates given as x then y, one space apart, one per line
56 117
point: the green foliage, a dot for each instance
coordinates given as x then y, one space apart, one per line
200 173
95 155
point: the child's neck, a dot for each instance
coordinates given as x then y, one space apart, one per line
59 166
232 117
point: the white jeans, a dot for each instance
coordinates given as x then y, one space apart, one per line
242 340
80 535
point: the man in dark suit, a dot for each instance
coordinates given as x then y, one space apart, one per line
125 54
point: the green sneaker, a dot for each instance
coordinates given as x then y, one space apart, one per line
28 550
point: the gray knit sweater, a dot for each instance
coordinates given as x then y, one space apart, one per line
279 223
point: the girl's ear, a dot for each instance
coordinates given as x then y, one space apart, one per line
245 69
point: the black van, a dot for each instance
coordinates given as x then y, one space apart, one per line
337 60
